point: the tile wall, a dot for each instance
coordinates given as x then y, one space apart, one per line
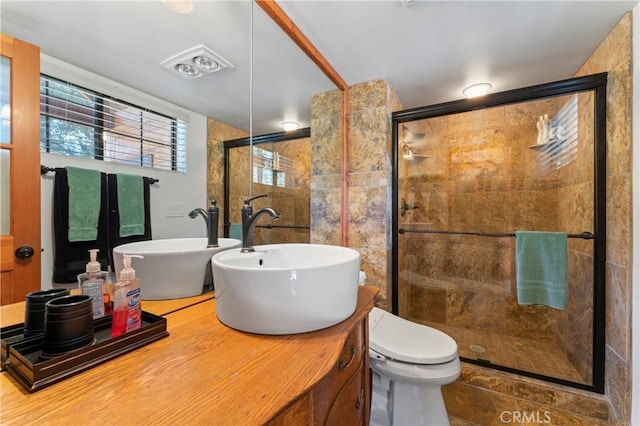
370 107
217 133
614 56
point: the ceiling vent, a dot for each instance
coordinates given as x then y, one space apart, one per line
196 62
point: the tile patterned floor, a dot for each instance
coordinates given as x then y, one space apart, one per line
519 353
482 396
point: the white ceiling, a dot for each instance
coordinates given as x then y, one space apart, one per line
429 50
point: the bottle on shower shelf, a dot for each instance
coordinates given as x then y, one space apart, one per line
543 126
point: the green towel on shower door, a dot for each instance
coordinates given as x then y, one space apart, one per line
84 203
235 231
541 268
130 204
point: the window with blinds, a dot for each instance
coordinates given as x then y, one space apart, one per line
273 168
79 122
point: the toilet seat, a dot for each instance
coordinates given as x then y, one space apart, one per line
406 341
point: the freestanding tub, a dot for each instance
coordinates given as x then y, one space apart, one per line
171 268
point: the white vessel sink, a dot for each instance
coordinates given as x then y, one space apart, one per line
171 268
286 288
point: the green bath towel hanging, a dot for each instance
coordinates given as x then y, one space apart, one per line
541 268
236 231
130 204
84 203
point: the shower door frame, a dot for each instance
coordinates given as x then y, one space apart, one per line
597 83
305 132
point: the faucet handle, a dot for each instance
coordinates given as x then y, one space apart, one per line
248 201
212 202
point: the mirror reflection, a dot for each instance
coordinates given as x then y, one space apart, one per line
281 171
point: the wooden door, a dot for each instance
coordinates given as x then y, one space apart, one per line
20 244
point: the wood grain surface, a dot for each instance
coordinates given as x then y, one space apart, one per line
203 373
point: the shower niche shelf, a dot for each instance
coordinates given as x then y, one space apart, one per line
21 356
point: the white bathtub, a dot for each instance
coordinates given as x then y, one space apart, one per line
171 268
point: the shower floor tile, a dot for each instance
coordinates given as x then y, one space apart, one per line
534 356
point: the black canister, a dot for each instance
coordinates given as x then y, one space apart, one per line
34 309
68 325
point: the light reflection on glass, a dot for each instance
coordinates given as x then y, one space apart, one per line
5 100
5 138
5 192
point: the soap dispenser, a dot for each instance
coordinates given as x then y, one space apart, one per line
127 307
92 283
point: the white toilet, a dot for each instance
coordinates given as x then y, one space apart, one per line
410 363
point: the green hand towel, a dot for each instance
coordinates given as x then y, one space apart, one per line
541 268
130 204
236 231
84 203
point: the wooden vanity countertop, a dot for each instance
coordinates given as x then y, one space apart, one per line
203 373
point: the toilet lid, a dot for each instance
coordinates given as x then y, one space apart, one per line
407 341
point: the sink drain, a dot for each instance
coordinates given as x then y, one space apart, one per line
477 348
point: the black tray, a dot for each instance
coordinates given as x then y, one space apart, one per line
26 366
9 336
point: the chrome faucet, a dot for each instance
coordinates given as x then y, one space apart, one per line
210 217
249 222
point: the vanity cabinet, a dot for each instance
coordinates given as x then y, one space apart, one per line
343 396
340 396
207 373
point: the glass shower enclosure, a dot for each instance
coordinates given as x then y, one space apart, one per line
277 165
470 174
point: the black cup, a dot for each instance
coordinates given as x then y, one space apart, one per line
68 325
34 309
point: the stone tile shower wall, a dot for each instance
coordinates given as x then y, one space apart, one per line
239 181
614 56
217 133
481 176
370 107
292 202
575 213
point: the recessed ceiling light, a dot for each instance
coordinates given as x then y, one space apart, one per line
206 64
179 6
188 70
289 126
476 90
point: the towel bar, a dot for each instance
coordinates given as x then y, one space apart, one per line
44 170
584 235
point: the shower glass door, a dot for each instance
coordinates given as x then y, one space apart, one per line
467 180
281 171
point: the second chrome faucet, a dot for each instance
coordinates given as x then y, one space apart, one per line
249 222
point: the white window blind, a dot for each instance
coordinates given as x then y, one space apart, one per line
80 122
273 168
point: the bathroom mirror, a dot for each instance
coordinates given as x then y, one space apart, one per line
275 164
470 174
281 170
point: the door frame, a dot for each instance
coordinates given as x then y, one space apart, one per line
21 276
